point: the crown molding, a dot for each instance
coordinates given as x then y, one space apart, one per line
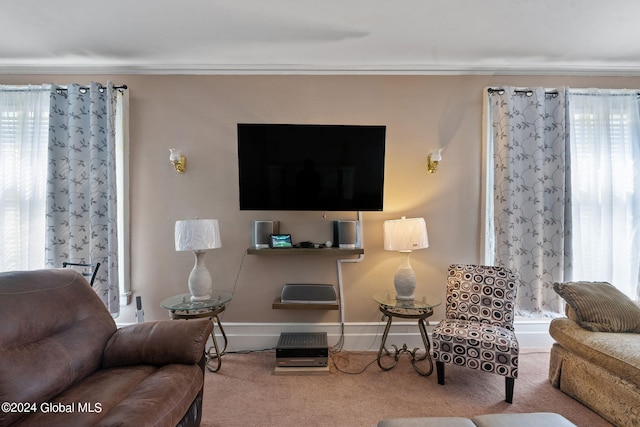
322 69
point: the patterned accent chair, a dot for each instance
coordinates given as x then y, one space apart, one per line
477 331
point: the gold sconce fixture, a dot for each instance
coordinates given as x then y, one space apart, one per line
434 157
178 160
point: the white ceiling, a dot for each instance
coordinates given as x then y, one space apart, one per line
332 36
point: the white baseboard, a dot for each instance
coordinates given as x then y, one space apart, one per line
532 334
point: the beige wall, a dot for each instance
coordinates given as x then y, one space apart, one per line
199 115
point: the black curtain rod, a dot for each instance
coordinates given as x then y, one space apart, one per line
606 94
526 92
100 88
25 88
553 93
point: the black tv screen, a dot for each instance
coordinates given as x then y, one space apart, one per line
311 167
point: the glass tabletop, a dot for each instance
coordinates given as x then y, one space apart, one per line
420 302
183 301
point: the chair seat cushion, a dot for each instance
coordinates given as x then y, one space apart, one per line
476 345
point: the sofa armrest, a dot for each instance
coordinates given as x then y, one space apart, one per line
158 343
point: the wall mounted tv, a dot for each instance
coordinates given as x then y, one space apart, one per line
311 167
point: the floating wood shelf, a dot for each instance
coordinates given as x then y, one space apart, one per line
337 252
305 251
279 305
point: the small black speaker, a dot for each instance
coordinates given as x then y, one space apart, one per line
262 231
345 234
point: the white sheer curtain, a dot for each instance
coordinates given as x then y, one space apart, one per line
605 165
24 121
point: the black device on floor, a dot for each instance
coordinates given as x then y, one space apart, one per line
302 349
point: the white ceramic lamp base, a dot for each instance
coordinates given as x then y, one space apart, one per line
200 279
405 279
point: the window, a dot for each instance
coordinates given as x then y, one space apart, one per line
24 120
605 187
549 150
24 129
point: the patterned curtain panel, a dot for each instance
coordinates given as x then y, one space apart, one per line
81 184
530 193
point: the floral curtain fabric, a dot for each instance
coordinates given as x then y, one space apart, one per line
81 185
531 201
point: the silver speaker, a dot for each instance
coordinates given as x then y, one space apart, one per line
262 231
345 234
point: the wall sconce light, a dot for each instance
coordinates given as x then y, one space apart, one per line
178 160
434 157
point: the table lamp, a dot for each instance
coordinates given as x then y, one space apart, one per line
405 235
199 236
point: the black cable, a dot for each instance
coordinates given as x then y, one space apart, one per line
333 356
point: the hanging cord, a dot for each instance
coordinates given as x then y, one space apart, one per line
235 282
339 345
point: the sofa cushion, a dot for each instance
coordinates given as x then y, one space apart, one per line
427 422
600 307
158 343
618 353
534 419
142 395
44 346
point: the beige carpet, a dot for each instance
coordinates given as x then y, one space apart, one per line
246 392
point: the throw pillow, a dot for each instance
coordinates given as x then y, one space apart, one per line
600 307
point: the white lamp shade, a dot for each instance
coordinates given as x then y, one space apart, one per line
405 234
197 235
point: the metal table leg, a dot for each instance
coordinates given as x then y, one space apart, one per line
427 351
218 354
413 353
384 348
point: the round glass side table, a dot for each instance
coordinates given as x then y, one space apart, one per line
181 307
419 308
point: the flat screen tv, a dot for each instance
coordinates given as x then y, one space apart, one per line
311 167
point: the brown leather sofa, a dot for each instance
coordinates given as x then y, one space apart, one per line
63 362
